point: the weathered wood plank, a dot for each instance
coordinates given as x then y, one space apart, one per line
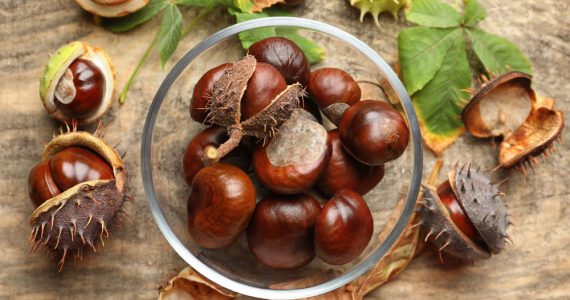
138 259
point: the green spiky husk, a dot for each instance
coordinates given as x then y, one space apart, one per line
376 7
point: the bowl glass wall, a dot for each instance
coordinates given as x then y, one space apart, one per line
168 129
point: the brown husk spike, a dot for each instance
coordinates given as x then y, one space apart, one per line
442 231
481 202
81 216
508 107
224 108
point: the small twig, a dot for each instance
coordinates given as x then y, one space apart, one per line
125 90
193 24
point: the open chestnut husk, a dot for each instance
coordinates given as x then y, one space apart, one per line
285 56
78 84
373 132
465 216
280 232
220 205
293 160
112 8
345 172
334 90
343 228
225 106
507 107
80 188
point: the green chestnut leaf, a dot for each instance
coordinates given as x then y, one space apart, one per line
433 14
422 50
473 13
312 50
435 68
135 19
440 102
170 33
498 54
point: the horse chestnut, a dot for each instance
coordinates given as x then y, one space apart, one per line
88 90
41 185
343 229
457 214
373 132
465 216
285 56
196 152
345 172
78 83
263 86
334 90
79 190
203 92
64 170
280 233
295 158
220 205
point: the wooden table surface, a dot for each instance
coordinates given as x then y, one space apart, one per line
138 259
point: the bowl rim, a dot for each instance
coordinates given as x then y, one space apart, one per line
152 197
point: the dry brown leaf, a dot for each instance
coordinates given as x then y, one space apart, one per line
189 285
344 293
259 5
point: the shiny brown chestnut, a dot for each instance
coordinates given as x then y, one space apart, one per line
263 86
74 165
343 229
457 213
295 158
220 205
202 92
41 185
280 232
373 132
89 88
285 56
196 152
345 172
334 90
64 170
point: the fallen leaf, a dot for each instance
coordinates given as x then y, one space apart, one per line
189 285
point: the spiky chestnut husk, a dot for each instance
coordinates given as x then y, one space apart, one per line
506 106
112 8
224 107
500 106
533 139
376 7
57 66
81 216
481 203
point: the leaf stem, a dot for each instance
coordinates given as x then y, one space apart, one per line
125 90
193 24
197 20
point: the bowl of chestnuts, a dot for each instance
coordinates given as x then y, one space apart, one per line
276 178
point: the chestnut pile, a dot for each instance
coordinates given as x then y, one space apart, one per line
260 119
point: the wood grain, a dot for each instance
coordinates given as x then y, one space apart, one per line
138 259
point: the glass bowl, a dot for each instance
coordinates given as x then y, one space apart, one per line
168 129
